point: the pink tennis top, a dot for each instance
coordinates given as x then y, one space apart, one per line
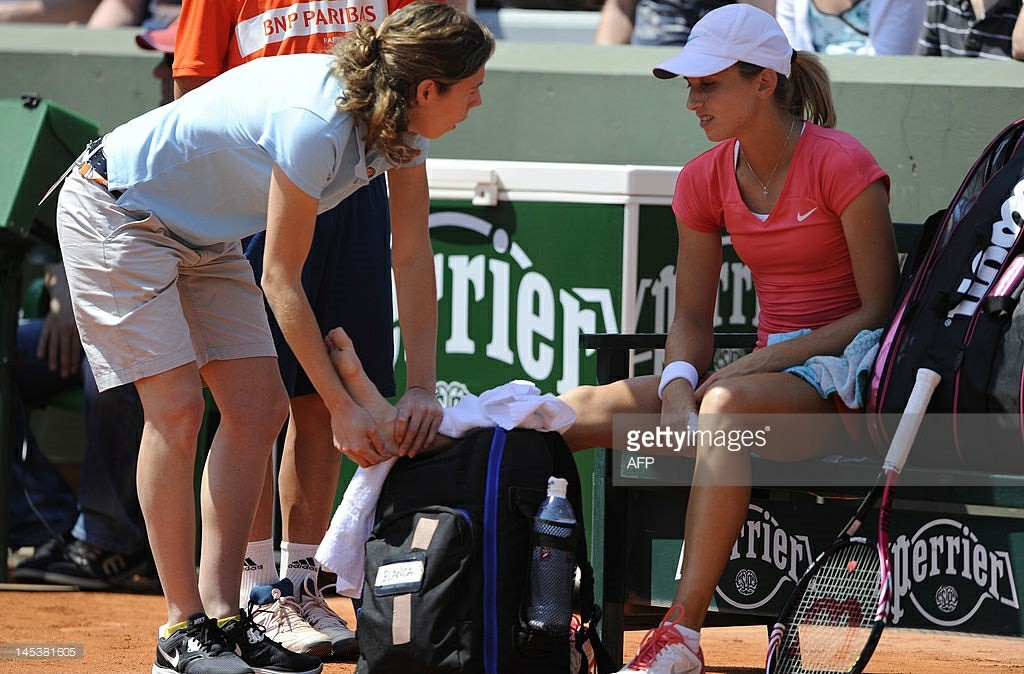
798 256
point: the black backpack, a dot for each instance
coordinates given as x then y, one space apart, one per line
447 563
958 313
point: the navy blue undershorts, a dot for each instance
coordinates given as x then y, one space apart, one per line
347 278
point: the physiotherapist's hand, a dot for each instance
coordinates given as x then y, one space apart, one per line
419 415
356 436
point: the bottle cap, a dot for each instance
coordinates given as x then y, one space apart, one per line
557 486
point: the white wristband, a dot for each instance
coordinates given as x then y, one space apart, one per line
678 369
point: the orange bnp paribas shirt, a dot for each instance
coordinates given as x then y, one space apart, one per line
216 35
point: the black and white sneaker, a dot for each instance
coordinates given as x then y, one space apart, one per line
263 654
93 568
33 569
198 648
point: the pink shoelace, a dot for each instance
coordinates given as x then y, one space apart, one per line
659 638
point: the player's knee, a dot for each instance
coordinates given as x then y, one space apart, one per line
753 394
728 397
578 397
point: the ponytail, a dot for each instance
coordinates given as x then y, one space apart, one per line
806 93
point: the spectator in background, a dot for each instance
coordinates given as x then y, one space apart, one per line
152 15
41 502
656 22
95 13
107 544
893 26
347 280
46 11
991 29
101 544
869 27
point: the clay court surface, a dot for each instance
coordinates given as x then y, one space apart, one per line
118 634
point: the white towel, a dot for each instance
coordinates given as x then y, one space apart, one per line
342 550
517 404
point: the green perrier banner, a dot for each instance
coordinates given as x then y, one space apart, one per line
516 284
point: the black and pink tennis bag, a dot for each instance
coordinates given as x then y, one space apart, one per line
958 312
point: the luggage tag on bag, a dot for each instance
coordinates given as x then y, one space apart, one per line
401 574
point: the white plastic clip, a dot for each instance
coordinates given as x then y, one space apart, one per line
485 194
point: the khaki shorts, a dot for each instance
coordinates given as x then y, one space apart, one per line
145 302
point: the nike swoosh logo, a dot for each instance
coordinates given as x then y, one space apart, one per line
173 659
800 217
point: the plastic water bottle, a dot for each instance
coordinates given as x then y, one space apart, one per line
552 571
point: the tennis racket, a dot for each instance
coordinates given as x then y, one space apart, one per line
835 615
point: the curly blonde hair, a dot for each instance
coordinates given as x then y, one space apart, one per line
381 69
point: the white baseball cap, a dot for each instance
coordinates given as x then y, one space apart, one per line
727 35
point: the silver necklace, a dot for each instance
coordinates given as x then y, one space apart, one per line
764 185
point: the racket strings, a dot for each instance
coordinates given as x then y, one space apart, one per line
834 618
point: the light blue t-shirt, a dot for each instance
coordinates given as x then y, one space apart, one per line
202 164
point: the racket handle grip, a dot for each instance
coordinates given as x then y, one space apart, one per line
924 386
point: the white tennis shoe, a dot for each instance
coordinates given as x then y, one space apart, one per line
664 651
318 613
275 610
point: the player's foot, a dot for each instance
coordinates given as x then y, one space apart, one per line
198 648
264 655
363 391
664 651
273 607
323 619
348 366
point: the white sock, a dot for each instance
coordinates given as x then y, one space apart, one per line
257 569
298 562
690 637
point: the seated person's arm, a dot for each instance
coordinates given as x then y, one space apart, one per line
769 5
691 336
59 343
46 11
615 26
115 13
183 85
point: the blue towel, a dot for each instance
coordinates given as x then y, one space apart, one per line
846 375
